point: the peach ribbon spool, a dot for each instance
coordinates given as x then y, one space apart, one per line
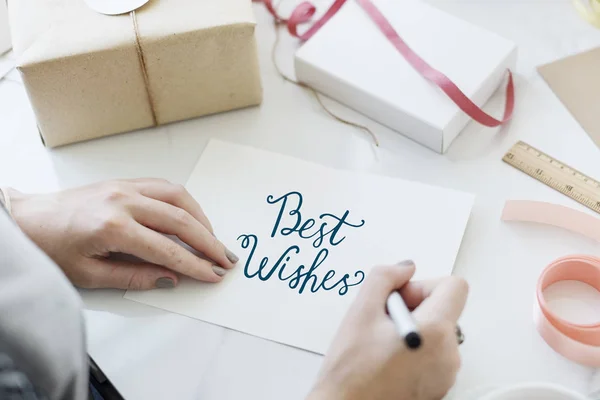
577 342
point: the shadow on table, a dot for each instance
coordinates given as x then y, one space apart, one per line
112 301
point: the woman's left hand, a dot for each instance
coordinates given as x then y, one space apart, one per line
80 229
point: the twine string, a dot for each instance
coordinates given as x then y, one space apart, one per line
142 59
276 24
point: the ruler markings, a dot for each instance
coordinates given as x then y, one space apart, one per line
555 174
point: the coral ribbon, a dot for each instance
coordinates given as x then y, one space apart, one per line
577 342
305 11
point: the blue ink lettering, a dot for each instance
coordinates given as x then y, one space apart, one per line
264 261
302 227
296 211
302 278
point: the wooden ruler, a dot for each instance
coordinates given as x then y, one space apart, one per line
556 174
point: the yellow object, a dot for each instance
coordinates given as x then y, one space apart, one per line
590 11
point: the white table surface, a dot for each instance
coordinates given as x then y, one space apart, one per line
150 354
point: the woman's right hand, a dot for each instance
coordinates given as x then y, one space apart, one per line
368 360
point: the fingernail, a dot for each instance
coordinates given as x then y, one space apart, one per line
218 270
231 256
164 283
406 263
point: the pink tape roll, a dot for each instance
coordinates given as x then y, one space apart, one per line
577 342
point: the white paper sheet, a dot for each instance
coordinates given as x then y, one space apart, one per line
594 386
5 41
402 220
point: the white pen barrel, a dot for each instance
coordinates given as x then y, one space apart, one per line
401 315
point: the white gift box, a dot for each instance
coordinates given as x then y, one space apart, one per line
350 60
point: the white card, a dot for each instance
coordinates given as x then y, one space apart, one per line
366 220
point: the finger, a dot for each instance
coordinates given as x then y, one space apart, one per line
153 247
414 292
126 275
445 302
171 220
174 194
384 280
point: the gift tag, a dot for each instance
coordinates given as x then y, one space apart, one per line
115 7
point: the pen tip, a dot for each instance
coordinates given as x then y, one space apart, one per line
413 340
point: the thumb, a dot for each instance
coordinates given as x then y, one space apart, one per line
385 279
129 275
446 301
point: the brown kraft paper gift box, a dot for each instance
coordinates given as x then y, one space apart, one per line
89 75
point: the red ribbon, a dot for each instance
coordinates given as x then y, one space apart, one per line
304 12
301 14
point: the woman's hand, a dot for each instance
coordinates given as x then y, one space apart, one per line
368 360
80 228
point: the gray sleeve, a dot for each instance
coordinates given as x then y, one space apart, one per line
41 322
14 384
